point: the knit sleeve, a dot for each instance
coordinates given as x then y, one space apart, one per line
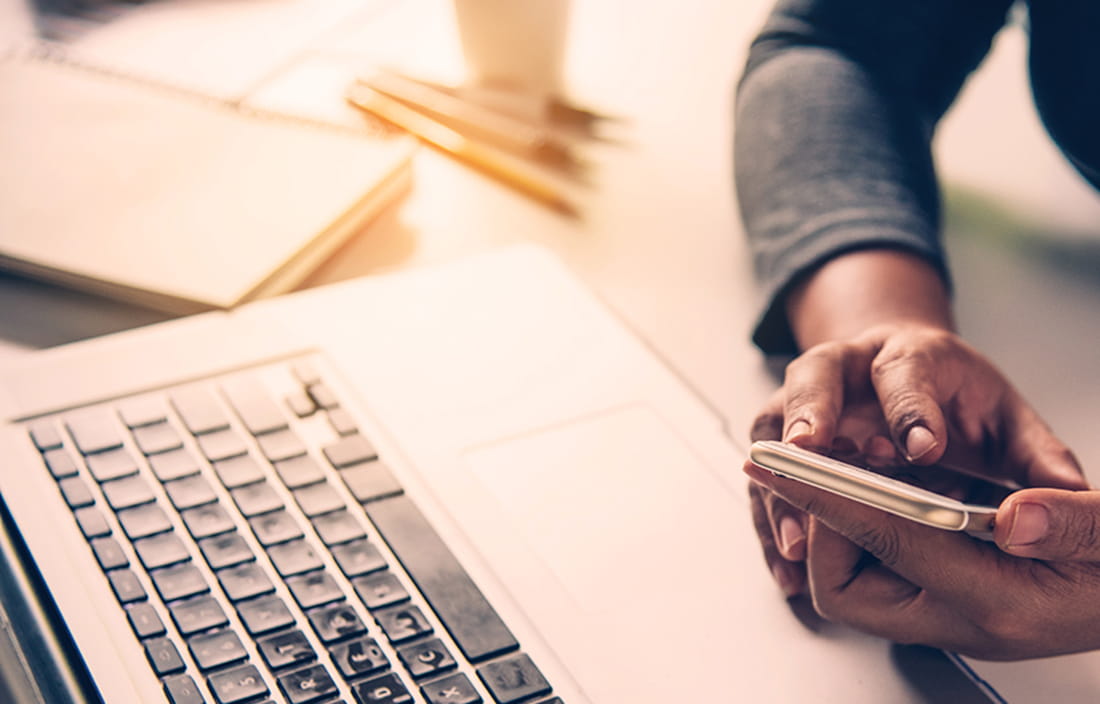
834 119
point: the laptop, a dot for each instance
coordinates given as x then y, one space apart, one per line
462 483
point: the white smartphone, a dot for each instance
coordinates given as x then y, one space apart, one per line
873 489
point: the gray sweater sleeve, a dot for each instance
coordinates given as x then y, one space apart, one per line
834 118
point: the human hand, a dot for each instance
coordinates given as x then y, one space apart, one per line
942 401
948 590
909 387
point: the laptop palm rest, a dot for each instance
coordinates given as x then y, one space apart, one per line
632 532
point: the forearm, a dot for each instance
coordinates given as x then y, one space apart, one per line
834 118
859 290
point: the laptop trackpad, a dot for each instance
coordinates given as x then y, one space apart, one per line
630 545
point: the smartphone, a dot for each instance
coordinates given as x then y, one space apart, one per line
874 489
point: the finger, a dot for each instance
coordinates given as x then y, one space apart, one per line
768 424
907 379
788 527
1038 456
868 596
1050 524
815 385
786 523
945 563
789 575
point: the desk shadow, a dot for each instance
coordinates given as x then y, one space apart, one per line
37 314
934 678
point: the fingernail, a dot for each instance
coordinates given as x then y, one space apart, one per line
784 579
919 442
1030 524
799 429
790 534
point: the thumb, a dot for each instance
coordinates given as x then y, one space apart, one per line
1050 524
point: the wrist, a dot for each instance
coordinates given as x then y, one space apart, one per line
864 289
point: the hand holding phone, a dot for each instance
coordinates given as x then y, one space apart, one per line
873 489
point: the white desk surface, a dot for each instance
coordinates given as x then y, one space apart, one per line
660 239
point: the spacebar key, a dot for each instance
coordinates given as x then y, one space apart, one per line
476 627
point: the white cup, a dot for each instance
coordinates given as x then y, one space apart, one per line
514 45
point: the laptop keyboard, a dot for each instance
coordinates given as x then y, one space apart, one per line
263 551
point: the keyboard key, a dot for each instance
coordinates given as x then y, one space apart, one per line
190 492
514 679
142 521
323 395
318 499
128 492
314 589
144 619
181 689
174 464
109 554
163 656
306 372
254 499
403 623
336 621
238 471
474 625
156 438
256 409
199 614
275 527
342 422
299 471
267 613
126 586
281 445
244 581
240 684
136 413
308 685
386 689
94 431
60 463
294 557
349 451
380 590
456 689
358 658
217 649
91 521
179 582
76 492
338 527
225 550
111 464
222 444
286 650
301 404
45 435
205 521
358 557
161 550
427 658
368 482
199 410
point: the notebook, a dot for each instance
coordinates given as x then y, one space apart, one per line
174 199
461 483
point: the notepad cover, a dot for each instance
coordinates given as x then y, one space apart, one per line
171 199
